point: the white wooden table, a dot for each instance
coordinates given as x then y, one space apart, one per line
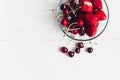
29 42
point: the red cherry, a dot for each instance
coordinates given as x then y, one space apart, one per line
71 54
80 22
80 45
75 31
89 49
77 50
64 22
66 12
64 50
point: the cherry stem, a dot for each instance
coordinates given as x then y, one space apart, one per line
68 43
92 43
68 29
71 9
71 25
60 15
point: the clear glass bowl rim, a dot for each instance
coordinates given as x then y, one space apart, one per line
57 11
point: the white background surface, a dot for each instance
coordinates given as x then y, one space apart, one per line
29 42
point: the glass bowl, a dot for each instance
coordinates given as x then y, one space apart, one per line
101 27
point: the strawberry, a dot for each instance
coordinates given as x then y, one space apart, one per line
86 7
97 4
101 15
91 20
91 32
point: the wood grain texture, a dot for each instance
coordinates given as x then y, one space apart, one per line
30 39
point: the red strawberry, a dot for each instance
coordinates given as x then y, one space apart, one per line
86 7
101 15
97 4
91 20
95 26
91 32
64 22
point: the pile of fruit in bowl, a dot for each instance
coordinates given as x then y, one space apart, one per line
81 19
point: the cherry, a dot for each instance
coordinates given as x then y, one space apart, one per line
74 18
64 22
77 50
75 31
65 11
80 45
80 22
67 17
80 17
64 50
71 54
63 7
78 12
82 31
89 49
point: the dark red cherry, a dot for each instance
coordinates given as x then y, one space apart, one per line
89 49
64 50
63 7
71 54
82 31
80 45
77 50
